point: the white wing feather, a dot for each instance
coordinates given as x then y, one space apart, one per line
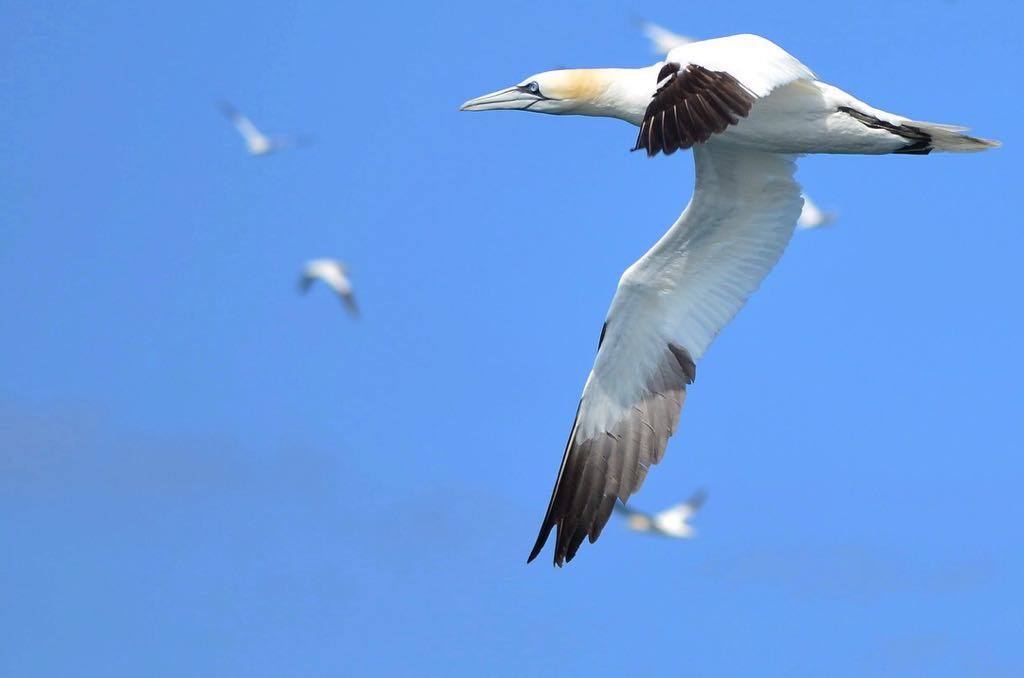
813 216
758 63
331 273
663 40
247 129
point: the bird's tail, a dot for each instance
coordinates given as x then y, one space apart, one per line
951 138
921 137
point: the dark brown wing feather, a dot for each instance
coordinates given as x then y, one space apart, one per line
691 104
613 464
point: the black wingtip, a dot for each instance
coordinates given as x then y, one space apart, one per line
542 539
698 498
646 150
227 109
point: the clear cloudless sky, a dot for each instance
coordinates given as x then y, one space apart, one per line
203 473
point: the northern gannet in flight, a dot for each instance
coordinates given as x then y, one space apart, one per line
256 142
747 108
335 275
664 41
670 522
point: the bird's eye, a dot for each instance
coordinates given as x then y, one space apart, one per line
533 87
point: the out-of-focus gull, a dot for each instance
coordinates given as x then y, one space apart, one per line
747 108
812 216
664 41
256 142
335 275
670 522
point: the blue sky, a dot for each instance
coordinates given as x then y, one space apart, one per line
202 473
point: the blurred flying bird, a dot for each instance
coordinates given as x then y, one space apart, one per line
335 275
812 216
664 41
748 109
669 523
256 142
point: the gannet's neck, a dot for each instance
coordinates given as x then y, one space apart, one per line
622 93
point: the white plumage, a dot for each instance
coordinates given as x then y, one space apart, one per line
747 108
760 64
694 280
812 216
663 40
334 274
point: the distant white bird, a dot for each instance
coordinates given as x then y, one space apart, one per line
662 40
748 109
812 216
669 523
335 275
256 142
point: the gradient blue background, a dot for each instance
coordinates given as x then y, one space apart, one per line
202 473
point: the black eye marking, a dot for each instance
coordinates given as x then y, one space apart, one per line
531 88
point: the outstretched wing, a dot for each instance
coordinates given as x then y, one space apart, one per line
241 123
667 309
663 40
704 87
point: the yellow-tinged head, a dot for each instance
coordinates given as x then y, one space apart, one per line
582 91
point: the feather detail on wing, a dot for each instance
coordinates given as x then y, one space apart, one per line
690 105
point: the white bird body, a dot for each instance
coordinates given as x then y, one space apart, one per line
795 113
334 274
664 41
805 116
747 108
672 522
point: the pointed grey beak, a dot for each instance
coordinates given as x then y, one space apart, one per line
510 98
